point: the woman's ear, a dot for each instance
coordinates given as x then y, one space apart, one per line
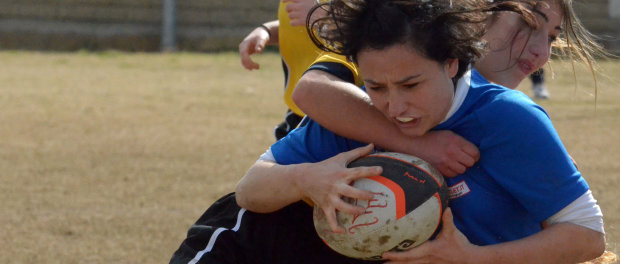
451 67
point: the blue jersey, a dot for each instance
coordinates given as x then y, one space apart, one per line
523 177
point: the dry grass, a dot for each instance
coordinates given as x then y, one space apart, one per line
110 157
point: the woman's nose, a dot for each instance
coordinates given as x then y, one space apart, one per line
397 106
539 47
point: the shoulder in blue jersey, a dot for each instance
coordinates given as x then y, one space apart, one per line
310 142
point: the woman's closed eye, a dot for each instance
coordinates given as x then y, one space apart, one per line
410 85
374 88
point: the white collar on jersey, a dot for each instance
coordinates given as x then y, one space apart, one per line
462 87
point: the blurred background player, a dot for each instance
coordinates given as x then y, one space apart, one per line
297 50
538 84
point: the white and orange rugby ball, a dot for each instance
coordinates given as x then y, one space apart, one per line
410 197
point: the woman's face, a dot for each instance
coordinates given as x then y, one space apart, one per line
413 92
515 50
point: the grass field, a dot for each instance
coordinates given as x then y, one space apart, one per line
110 157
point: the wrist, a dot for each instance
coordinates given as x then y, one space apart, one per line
262 26
299 173
483 254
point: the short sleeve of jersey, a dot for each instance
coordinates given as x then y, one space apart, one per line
339 66
534 167
310 142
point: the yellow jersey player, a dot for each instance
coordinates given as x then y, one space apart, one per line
297 50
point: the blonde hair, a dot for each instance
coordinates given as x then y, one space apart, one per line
577 43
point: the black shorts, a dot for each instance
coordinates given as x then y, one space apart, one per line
227 233
538 76
291 120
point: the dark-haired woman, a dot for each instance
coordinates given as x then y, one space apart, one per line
515 48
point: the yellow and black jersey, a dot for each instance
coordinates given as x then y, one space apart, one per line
338 66
298 54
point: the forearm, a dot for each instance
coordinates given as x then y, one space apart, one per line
346 110
559 243
273 28
268 186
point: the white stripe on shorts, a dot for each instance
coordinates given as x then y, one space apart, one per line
214 237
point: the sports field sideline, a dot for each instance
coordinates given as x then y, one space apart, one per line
109 157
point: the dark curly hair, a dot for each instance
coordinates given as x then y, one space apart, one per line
438 29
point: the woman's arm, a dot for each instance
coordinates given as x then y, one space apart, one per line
268 186
345 109
256 41
559 243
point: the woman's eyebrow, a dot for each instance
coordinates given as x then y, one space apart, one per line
544 16
404 80
370 81
407 79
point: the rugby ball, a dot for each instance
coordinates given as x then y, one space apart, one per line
410 197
